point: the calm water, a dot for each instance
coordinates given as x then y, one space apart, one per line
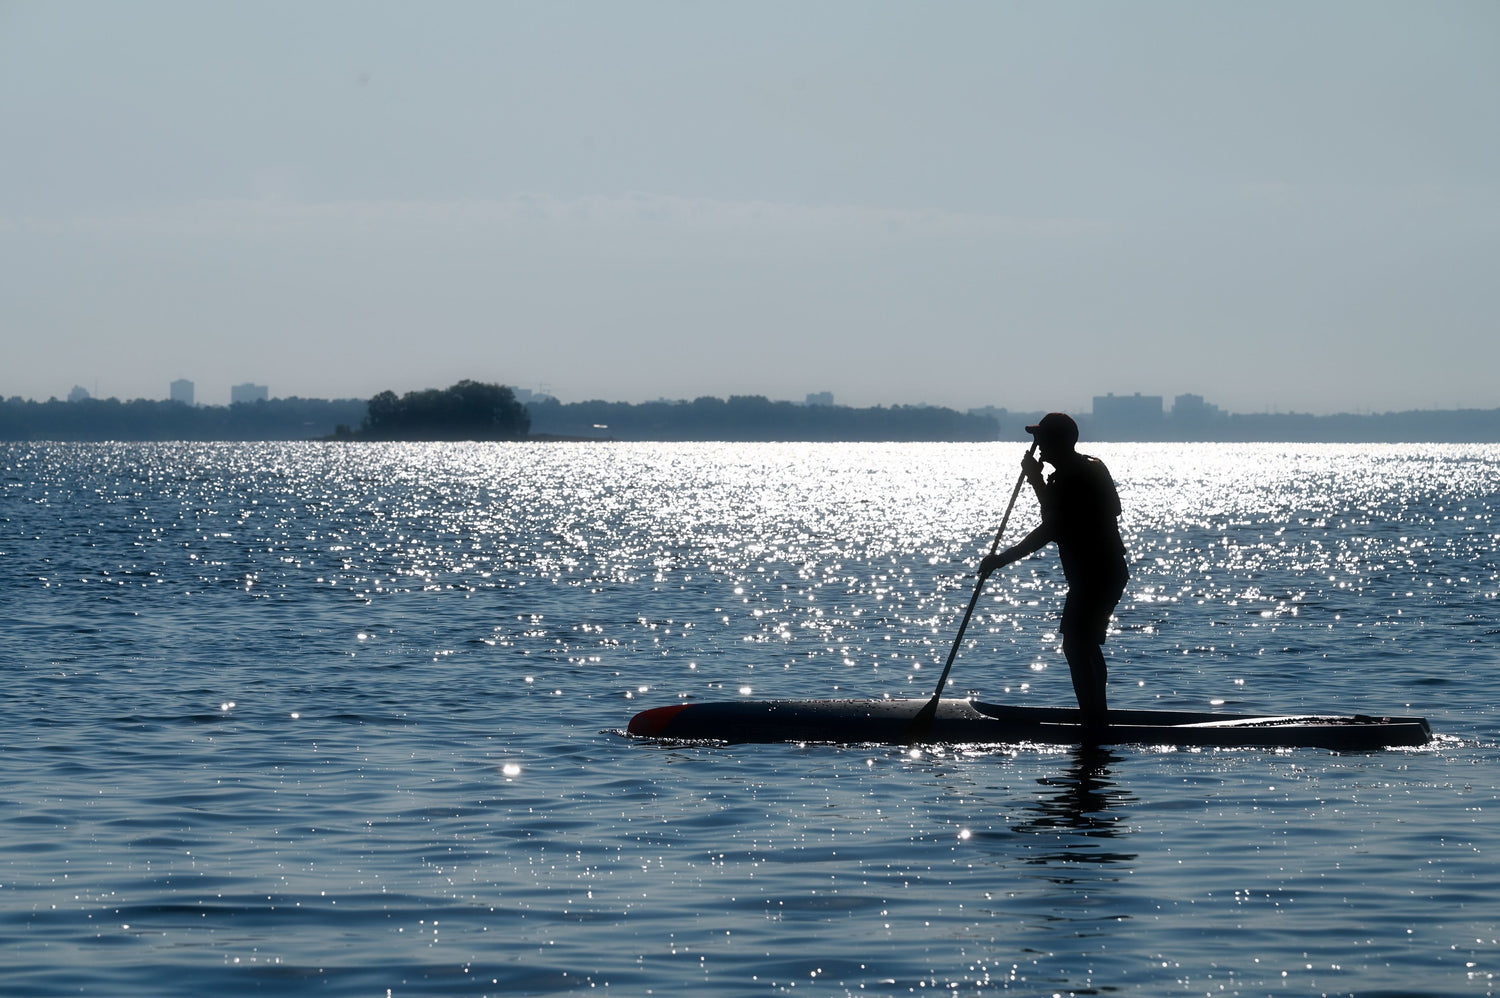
345 720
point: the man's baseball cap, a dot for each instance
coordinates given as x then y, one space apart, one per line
1055 426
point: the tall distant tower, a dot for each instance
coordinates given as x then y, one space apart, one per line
248 393
182 391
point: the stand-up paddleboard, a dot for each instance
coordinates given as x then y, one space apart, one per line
974 722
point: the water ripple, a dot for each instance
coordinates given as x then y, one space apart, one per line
344 718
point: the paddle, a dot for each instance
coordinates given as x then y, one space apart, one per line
921 725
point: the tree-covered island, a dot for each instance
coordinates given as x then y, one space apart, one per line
470 410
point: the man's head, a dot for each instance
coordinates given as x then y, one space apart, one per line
1056 433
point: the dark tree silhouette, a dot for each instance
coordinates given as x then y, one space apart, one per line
470 410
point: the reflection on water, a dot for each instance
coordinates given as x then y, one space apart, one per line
334 718
1082 810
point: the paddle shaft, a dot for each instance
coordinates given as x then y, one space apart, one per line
978 586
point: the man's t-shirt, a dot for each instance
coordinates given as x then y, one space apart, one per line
1081 509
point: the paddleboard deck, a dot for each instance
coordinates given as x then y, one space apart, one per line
975 722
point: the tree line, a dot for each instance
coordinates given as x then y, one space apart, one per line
472 410
468 410
151 419
755 418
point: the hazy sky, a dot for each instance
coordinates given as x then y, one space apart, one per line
1291 206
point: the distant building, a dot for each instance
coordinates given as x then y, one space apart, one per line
248 393
79 394
1192 408
1195 419
820 398
1127 417
182 391
1127 407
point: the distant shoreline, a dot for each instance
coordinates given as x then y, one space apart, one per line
738 419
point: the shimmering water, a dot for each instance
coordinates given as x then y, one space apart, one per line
344 719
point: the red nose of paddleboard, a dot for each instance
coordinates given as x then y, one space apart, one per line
654 723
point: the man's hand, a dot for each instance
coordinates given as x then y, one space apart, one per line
1032 468
992 562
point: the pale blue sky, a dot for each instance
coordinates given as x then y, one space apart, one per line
1274 205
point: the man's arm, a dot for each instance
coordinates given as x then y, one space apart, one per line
1030 544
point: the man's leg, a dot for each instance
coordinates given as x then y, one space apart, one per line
1086 664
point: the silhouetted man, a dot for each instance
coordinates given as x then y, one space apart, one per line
1080 511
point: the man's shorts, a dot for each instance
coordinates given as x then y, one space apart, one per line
1088 609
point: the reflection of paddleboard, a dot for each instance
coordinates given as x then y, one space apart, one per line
959 721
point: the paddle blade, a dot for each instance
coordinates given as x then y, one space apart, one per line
920 728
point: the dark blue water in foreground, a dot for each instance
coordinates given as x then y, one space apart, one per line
344 720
